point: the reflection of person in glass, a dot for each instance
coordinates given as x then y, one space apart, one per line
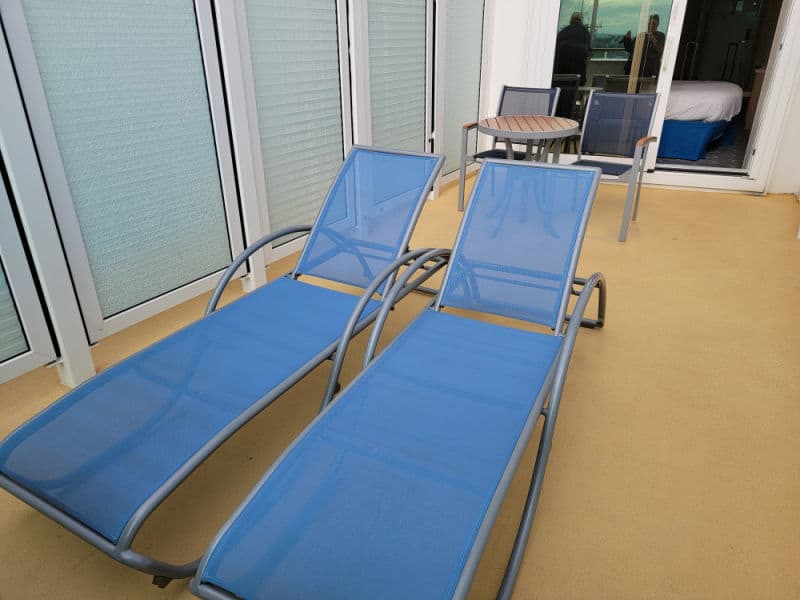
573 44
652 51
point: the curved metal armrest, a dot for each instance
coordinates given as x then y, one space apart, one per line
399 290
355 318
247 253
595 281
601 306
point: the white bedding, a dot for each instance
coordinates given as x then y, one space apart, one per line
704 101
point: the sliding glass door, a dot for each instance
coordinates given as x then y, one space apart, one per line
398 73
294 74
126 107
460 55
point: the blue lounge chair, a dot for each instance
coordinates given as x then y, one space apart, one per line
392 491
102 458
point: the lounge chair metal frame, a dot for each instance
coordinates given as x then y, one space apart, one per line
164 572
548 400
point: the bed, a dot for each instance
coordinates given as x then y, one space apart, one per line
698 113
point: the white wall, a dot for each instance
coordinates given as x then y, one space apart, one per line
785 175
507 49
522 46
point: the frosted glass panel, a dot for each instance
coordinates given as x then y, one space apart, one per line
462 76
397 73
294 51
127 94
12 338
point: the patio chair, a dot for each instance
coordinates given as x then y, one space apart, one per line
102 458
619 125
392 491
513 101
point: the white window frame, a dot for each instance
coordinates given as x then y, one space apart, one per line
238 66
39 229
43 131
23 292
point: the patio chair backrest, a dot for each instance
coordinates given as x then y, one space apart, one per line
366 221
527 101
615 121
517 249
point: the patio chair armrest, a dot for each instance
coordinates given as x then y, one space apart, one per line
355 317
641 151
247 253
470 125
399 290
649 139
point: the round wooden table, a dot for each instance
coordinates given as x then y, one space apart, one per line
529 129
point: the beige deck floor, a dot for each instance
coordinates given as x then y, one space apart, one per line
674 472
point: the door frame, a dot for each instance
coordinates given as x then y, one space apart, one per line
779 82
45 141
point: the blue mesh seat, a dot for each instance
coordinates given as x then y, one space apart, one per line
104 456
513 101
618 124
392 491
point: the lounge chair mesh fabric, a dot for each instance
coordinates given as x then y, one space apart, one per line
514 252
383 496
358 232
101 451
105 447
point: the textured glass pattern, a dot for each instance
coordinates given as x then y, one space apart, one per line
513 253
614 122
100 451
125 85
372 205
462 76
397 73
294 52
384 496
12 337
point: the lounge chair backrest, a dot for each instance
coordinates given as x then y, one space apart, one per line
367 218
614 122
517 249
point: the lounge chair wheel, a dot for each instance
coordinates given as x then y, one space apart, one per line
161 581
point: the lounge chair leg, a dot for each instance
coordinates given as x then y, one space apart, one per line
161 581
338 387
517 553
